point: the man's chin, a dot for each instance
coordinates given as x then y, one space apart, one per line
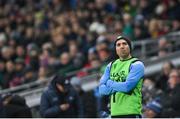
123 55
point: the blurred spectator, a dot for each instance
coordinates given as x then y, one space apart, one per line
42 73
132 9
20 52
59 100
29 75
89 42
153 28
128 28
162 27
170 99
19 69
153 109
164 47
105 57
44 58
32 59
19 65
77 57
149 90
146 7
15 106
102 43
59 42
164 44
161 10
175 25
92 54
162 79
93 64
66 64
3 39
140 32
10 73
7 53
173 9
162 53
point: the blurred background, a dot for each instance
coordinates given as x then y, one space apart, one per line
74 38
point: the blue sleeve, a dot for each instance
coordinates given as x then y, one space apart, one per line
135 74
103 89
46 109
106 75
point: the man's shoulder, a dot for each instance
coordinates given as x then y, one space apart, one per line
136 61
48 91
138 64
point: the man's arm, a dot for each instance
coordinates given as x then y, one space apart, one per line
135 74
103 89
106 75
46 110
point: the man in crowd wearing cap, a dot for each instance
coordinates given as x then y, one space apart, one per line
59 100
122 80
153 109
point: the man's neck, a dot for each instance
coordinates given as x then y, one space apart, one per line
125 58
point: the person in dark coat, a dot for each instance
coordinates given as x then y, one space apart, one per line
15 106
170 99
59 100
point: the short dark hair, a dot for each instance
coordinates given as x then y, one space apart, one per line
123 38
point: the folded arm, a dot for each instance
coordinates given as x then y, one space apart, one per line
135 74
103 89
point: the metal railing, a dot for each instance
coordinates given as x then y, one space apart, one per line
27 86
148 47
155 66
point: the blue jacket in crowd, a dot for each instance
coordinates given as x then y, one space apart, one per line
51 100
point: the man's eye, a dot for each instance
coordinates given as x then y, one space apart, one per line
118 44
124 43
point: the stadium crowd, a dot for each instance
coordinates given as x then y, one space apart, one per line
39 38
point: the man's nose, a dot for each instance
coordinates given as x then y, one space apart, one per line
121 46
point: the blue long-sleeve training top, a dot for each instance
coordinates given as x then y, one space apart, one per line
108 86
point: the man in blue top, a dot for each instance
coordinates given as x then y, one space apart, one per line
122 80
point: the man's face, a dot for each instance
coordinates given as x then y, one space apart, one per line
122 49
60 88
166 68
173 79
149 113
